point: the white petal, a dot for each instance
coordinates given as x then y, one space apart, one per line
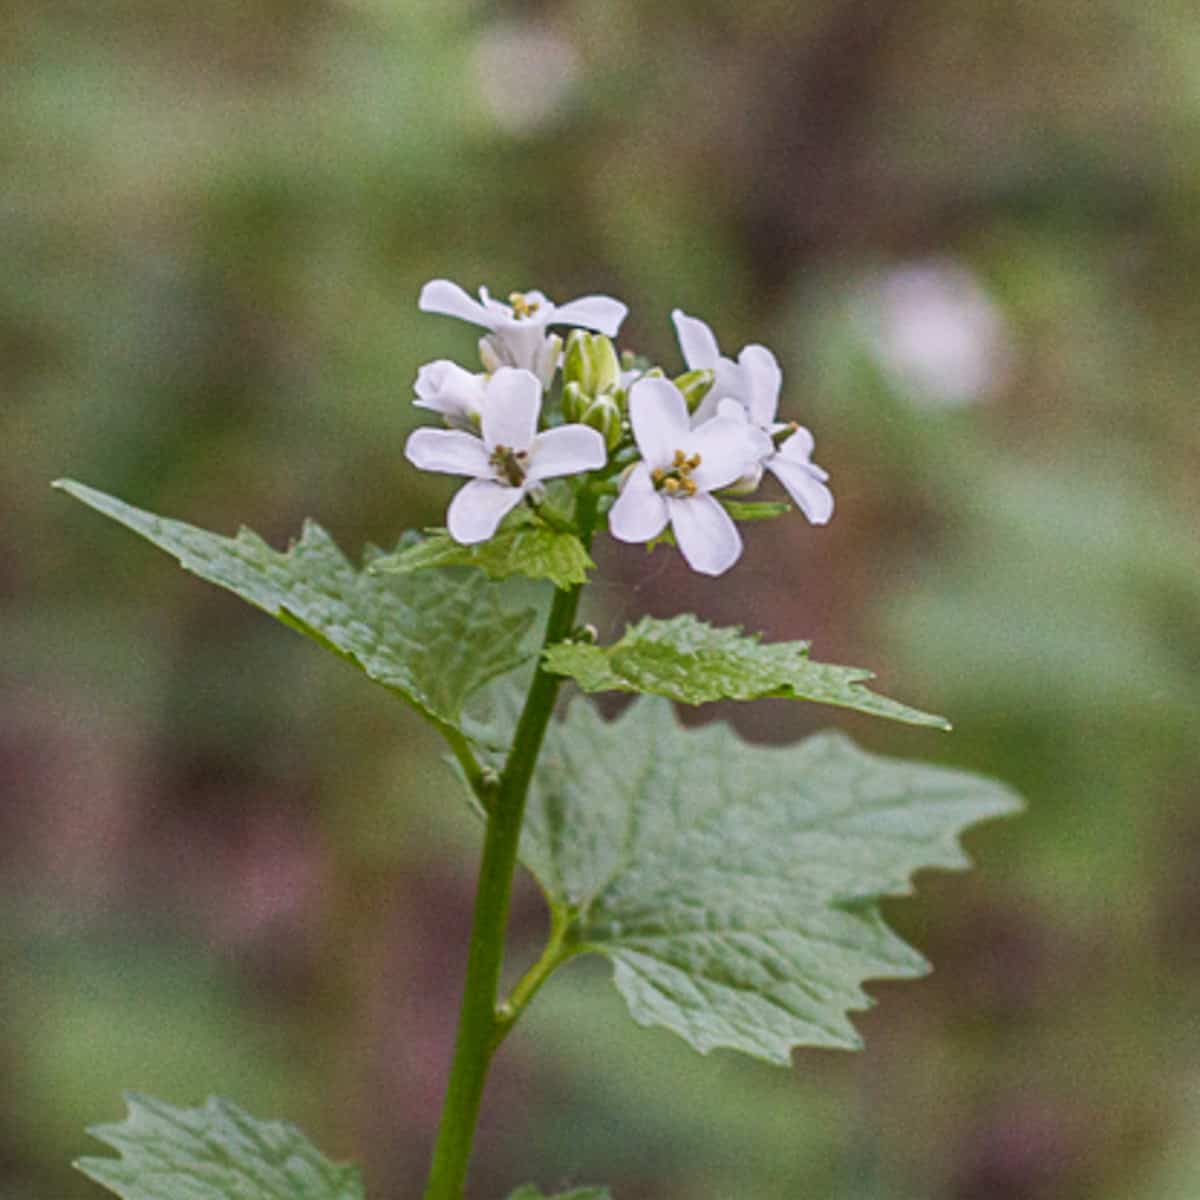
546 360
707 409
450 451
493 353
523 343
566 450
659 416
706 534
442 296
762 380
798 447
760 440
729 384
478 508
640 512
728 448
696 340
510 413
499 310
602 313
730 408
444 387
812 497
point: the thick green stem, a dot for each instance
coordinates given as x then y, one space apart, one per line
480 1025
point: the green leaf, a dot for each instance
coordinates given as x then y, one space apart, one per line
524 548
217 1152
735 887
755 510
433 639
690 661
530 1192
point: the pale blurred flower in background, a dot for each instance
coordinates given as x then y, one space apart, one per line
525 72
935 331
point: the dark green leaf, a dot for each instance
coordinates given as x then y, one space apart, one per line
735 887
690 661
434 638
217 1152
533 550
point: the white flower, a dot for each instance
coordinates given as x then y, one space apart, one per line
518 334
509 460
444 387
754 381
803 479
680 466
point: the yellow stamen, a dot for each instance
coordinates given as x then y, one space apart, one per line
521 306
510 465
676 480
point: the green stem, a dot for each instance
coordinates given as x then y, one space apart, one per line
479 1021
557 951
472 771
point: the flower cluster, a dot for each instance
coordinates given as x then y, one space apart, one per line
652 451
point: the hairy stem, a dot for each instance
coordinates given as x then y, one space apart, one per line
481 1027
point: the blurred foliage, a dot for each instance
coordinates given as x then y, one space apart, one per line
227 865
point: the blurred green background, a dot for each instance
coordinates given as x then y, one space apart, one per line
969 230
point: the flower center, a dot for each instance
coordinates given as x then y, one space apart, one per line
510 465
521 306
677 479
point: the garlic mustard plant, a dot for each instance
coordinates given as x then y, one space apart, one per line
714 875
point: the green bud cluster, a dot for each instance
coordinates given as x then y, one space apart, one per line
590 360
592 392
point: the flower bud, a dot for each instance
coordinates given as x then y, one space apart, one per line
604 414
695 385
574 402
590 360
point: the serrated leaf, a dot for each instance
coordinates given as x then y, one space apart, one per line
533 550
693 662
216 1152
434 638
735 887
531 1192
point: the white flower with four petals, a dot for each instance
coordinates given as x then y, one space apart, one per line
754 381
518 334
509 460
681 466
444 387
